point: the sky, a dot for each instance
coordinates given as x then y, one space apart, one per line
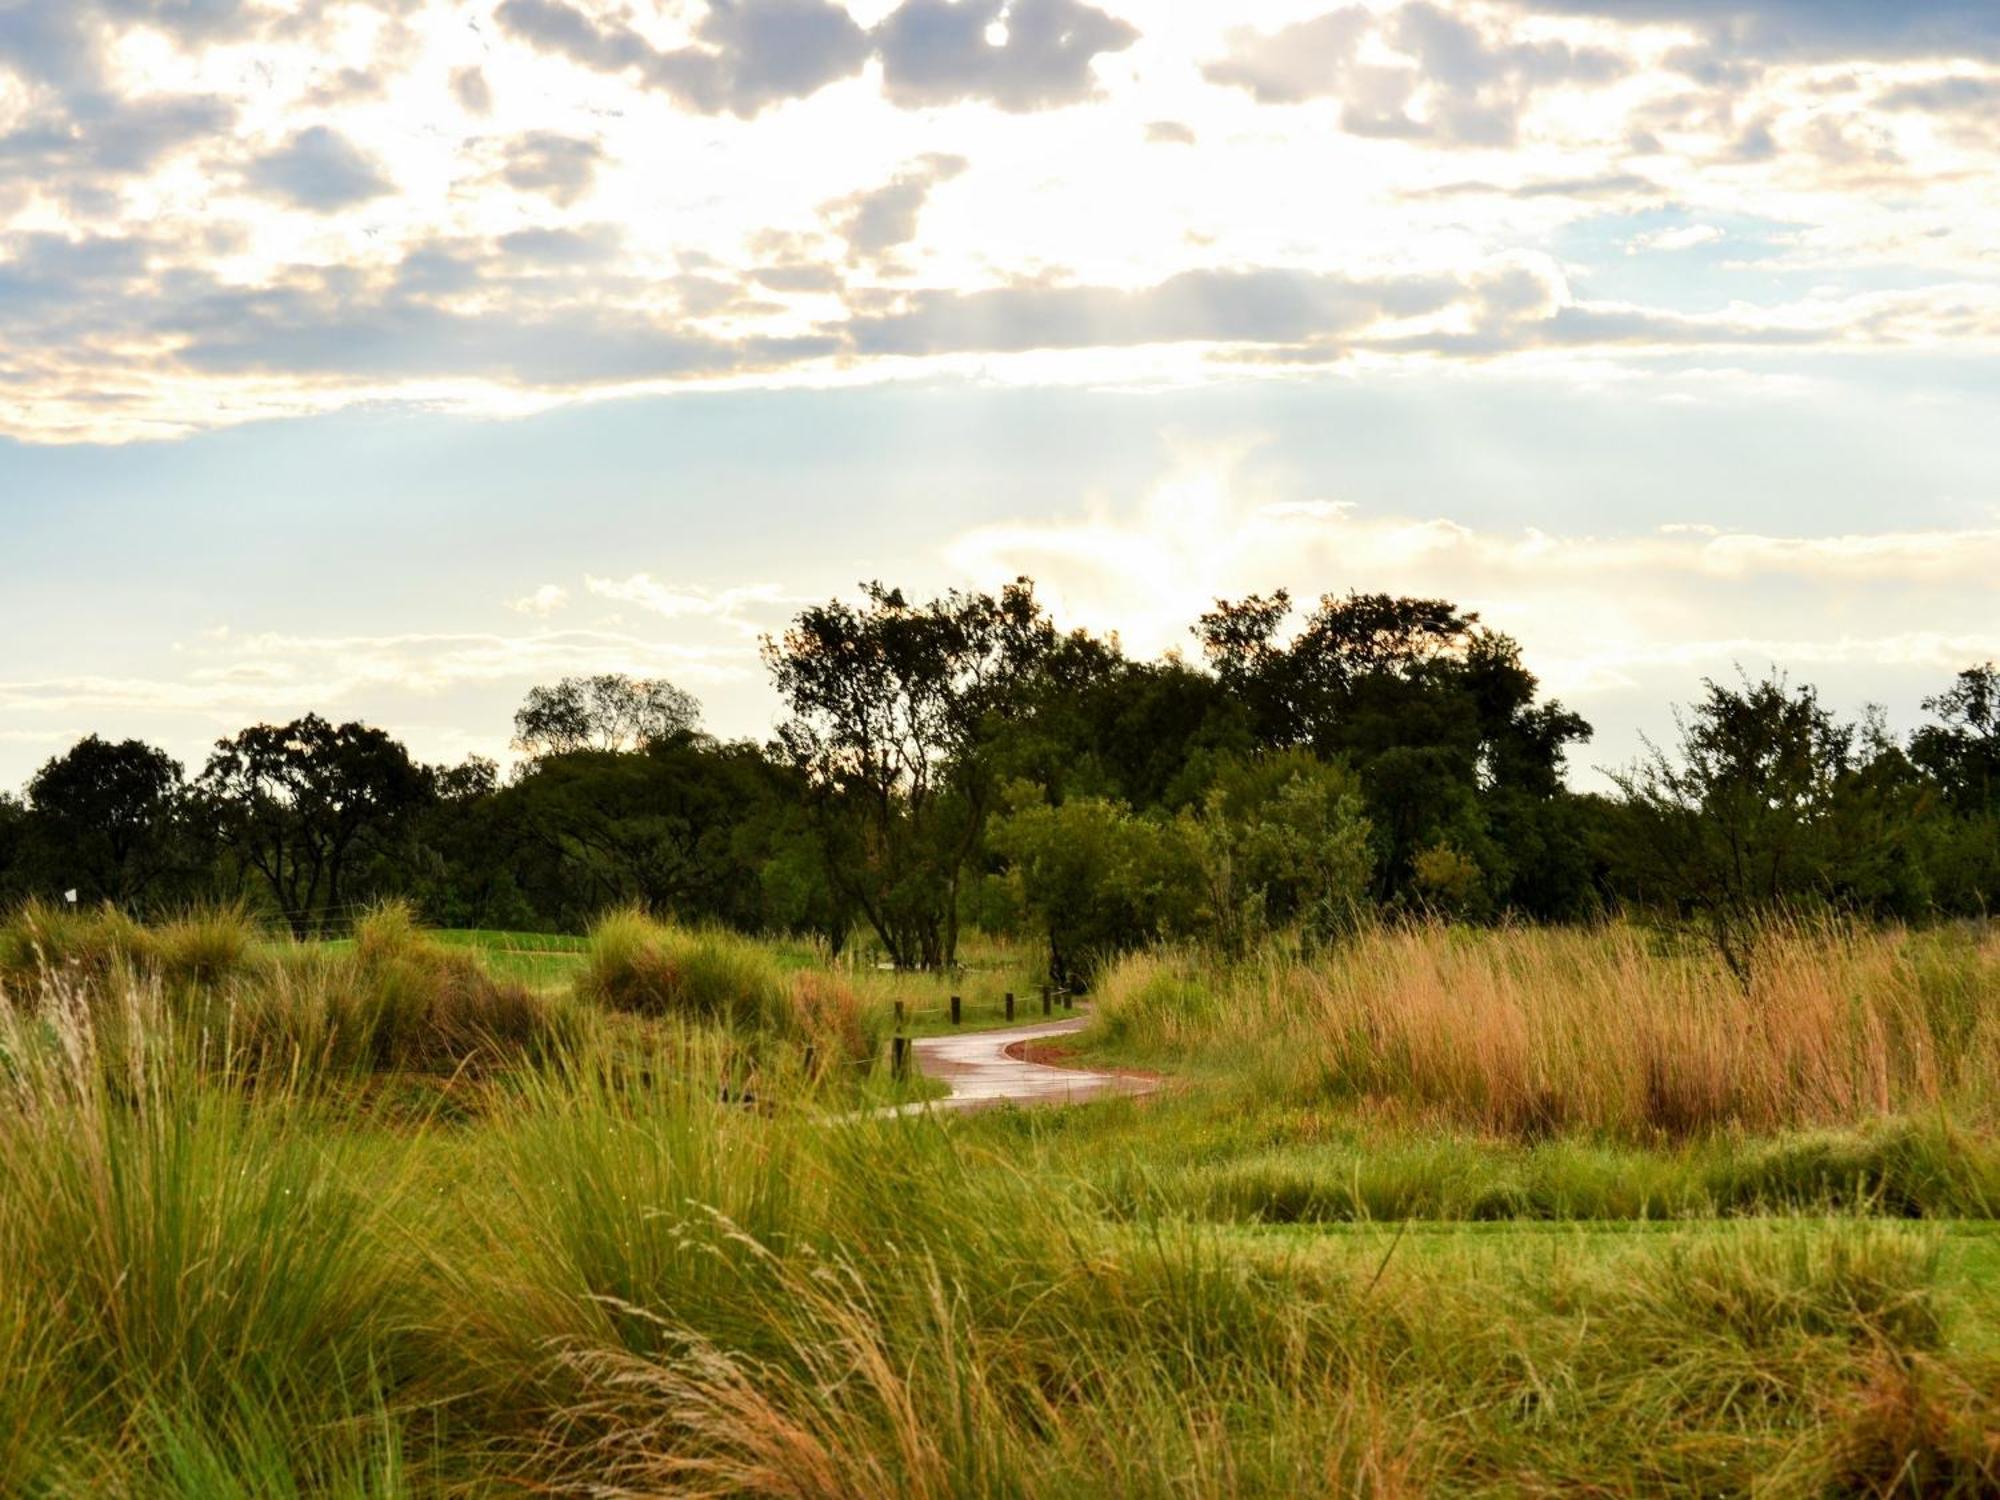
382 358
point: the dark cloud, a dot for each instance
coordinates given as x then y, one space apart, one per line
190 20
80 302
82 137
1277 315
1272 306
560 167
940 51
469 87
798 276
331 331
52 44
1604 185
749 54
881 219
1459 86
100 136
565 247
1811 30
1956 95
318 169
46 279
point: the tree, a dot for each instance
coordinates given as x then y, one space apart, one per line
302 803
607 712
107 817
896 711
1300 840
661 828
1435 713
1737 823
14 825
1963 751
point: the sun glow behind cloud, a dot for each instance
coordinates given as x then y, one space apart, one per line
217 214
494 206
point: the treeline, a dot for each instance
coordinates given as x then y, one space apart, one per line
964 761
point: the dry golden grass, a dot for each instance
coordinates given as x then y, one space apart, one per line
1533 1032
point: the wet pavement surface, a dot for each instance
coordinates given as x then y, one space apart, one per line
982 1073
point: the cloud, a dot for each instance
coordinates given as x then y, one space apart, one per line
470 89
584 245
1687 237
561 168
1018 55
273 674
1213 306
1169 133
885 218
543 602
1594 613
1625 185
1810 30
1418 72
691 602
319 169
1956 94
749 54
1511 304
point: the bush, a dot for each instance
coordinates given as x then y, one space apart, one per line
205 947
43 940
1155 1001
651 969
835 1019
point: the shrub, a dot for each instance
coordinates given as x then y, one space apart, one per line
205 947
418 1004
1155 1001
43 939
648 968
834 1019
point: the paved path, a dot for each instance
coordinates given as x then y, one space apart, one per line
982 1073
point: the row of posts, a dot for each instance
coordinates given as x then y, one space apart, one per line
899 1045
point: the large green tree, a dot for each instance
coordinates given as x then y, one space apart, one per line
897 710
609 711
1436 714
304 804
1738 818
107 818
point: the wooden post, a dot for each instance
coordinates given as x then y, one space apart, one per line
899 1056
955 1009
812 1057
1069 1000
1048 1003
899 1015
1010 1005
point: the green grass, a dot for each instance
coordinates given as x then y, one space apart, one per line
580 1268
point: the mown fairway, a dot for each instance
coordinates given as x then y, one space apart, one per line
1427 1211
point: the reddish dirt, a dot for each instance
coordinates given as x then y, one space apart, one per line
1052 1054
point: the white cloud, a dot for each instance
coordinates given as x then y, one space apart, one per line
543 602
224 212
271 674
690 602
1594 613
1688 237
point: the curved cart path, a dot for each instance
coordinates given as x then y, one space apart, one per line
982 1070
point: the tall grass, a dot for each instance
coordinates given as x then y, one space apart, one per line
1535 1032
706 975
215 1280
180 1257
393 1000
